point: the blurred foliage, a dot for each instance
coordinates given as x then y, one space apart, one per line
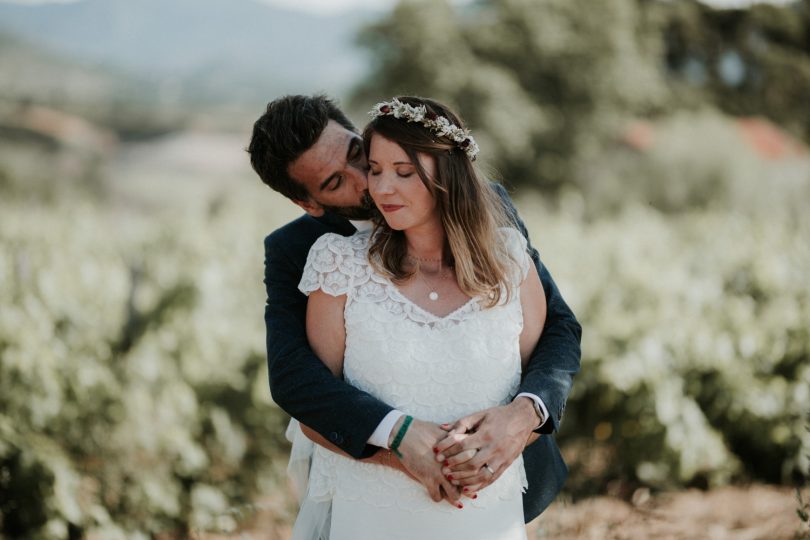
546 84
133 384
745 61
693 159
526 74
696 347
46 154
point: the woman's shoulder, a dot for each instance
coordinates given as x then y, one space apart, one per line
515 248
337 243
512 240
335 263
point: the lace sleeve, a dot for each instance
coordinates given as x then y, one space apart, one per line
331 266
517 250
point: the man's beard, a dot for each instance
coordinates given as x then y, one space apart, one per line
366 210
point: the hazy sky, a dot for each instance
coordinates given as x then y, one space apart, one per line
335 6
328 7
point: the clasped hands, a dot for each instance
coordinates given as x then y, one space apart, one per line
461 458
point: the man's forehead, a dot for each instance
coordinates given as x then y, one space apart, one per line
333 143
325 157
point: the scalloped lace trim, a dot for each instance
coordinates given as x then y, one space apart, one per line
382 487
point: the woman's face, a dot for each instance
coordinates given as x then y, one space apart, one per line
396 187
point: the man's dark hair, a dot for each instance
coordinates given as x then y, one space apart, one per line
287 129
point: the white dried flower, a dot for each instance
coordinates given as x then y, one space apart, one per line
439 125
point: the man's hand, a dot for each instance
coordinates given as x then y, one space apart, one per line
478 448
418 458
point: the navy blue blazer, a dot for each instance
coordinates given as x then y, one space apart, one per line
303 386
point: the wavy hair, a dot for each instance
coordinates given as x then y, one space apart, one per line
470 209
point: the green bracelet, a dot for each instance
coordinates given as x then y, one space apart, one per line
401 435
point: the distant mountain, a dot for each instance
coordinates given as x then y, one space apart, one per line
234 50
33 73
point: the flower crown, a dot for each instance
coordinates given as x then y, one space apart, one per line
438 124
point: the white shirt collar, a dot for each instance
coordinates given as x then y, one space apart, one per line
362 225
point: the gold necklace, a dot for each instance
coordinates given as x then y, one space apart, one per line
432 294
420 259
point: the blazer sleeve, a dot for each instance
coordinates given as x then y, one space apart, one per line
299 382
556 359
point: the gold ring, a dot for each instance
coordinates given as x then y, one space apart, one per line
487 467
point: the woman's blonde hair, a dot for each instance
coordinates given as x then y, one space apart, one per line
470 209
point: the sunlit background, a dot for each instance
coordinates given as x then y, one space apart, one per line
658 151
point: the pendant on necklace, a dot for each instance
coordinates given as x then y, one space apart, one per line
433 295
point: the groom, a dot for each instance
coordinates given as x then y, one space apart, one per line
305 148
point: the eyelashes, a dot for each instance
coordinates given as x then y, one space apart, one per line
377 173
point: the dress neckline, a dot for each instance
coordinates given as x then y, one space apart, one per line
391 286
426 311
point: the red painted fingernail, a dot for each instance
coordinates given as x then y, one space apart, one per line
435 450
465 490
475 496
449 476
446 462
460 505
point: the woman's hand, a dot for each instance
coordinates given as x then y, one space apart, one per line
417 455
478 448
458 477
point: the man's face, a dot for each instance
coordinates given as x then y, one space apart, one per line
333 171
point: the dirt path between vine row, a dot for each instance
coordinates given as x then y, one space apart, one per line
757 512
730 513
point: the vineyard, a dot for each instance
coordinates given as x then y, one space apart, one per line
133 385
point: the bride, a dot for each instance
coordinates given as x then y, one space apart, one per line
435 311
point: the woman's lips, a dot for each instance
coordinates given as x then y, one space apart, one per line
390 207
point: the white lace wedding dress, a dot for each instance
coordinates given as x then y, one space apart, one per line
434 368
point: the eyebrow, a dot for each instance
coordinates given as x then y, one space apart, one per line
353 143
394 163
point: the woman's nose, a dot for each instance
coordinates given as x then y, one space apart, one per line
381 184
